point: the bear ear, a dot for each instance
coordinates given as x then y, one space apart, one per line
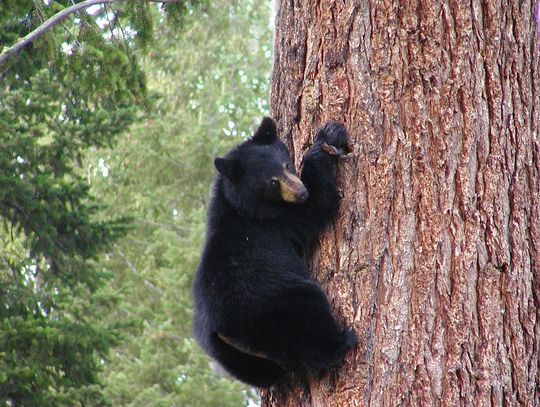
266 133
228 167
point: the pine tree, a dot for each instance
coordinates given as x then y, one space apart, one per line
73 90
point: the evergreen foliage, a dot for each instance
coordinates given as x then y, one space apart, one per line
75 89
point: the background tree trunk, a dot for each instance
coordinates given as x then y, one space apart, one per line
436 256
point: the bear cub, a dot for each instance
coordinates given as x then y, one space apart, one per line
258 311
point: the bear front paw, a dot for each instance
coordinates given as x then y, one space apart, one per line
334 138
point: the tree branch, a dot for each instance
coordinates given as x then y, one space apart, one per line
57 19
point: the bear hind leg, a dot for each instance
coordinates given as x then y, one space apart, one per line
251 369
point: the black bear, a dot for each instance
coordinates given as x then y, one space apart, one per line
258 311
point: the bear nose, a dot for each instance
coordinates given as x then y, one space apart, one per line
302 195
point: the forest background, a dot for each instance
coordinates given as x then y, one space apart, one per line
108 128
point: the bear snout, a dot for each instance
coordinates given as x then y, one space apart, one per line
292 189
302 195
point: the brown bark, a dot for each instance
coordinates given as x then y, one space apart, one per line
435 258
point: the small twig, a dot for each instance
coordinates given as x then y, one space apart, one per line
111 25
134 270
57 19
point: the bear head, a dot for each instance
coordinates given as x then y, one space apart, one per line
258 176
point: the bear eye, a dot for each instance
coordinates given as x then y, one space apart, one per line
287 166
274 183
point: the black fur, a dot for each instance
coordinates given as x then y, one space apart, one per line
258 311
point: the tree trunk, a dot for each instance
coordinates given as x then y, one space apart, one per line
435 259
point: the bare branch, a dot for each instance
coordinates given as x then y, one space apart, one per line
57 19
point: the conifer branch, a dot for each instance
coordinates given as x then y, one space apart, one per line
57 19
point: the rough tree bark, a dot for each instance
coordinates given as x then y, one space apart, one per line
436 256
